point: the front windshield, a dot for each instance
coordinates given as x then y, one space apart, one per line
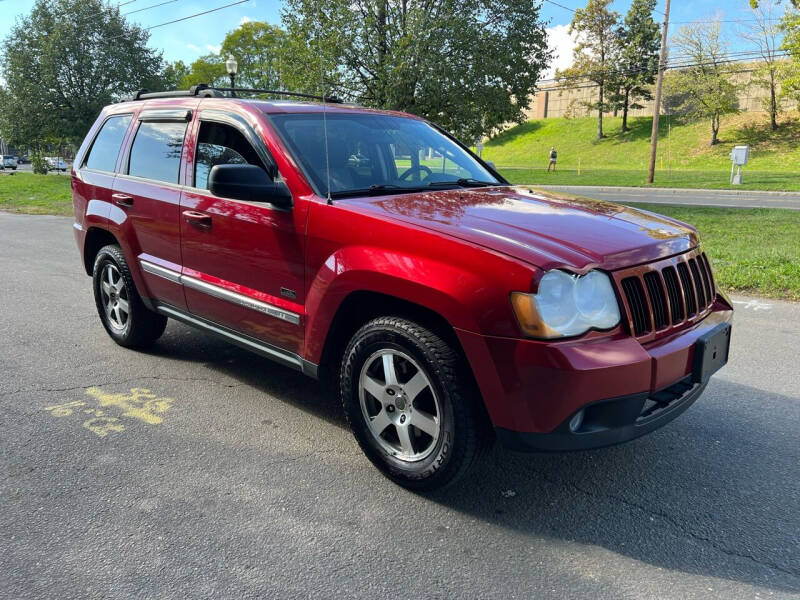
374 153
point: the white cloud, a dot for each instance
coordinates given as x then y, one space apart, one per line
213 48
244 20
194 48
561 43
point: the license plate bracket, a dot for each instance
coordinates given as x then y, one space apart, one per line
711 352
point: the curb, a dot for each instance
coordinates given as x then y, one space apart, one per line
673 191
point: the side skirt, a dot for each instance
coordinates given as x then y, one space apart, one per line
288 359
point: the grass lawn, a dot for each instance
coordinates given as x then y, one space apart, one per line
752 250
684 159
35 194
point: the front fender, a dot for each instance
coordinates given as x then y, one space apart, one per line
461 297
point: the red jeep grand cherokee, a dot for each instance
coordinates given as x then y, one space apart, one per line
374 248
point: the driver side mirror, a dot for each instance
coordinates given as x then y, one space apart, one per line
491 164
247 182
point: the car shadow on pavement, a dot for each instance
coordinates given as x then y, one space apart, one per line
244 367
715 493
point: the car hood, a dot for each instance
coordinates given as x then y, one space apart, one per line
547 230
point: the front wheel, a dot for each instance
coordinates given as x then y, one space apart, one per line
411 403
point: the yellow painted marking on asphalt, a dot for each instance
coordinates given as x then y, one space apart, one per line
140 404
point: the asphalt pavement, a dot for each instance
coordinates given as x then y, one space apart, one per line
727 198
197 470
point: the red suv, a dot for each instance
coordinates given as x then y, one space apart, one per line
373 248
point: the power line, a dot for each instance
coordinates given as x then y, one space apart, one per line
572 10
186 18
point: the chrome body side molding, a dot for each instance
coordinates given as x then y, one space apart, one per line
221 293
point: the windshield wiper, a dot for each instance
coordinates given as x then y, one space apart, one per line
377 189
463 182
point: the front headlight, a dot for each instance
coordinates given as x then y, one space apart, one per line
567 305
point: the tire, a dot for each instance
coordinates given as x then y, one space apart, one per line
446 426
114 290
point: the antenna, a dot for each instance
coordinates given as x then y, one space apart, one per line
324 107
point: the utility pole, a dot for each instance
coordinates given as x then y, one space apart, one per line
662 65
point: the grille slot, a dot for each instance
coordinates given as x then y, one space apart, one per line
688 289
658 301
674 292
634 293
705 271
698 284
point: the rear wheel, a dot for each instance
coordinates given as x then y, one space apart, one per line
122 312
411 403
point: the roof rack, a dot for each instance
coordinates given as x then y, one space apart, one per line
205 91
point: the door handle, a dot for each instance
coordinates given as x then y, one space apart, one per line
197 219
122 200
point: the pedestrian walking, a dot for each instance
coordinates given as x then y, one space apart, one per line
553 158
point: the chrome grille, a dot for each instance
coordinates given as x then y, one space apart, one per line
664 295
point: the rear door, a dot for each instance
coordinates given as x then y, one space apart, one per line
148 192
242 261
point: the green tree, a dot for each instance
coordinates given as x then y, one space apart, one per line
63 63
209 69
173 75
469 65
707 88
765 35
636 64
596 28
260 49
790 70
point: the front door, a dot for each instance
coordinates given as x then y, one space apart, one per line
243 262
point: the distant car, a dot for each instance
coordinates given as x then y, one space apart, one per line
9 162
55 164
23 160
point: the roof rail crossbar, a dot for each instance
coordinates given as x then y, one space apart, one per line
205 91
200 89
330 99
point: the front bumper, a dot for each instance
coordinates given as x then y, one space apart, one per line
534 389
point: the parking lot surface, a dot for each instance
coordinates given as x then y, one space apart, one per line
197 470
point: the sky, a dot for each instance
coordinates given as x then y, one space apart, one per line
195 37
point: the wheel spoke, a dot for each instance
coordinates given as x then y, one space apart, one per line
106 287
380 422
374 387
120 284
415 385
425 422
405 439
388 369
123 305
117 316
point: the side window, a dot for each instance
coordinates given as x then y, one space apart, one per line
219 144
105 149
156 151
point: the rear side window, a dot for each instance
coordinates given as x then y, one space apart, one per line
156 151
105 150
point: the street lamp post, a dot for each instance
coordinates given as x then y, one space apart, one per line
232 66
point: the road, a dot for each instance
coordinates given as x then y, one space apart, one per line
739 199
197 470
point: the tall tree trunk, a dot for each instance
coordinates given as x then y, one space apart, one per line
773 104
625 111
382 51
714 129
600 113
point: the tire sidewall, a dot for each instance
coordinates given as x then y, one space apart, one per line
104 257
363 345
